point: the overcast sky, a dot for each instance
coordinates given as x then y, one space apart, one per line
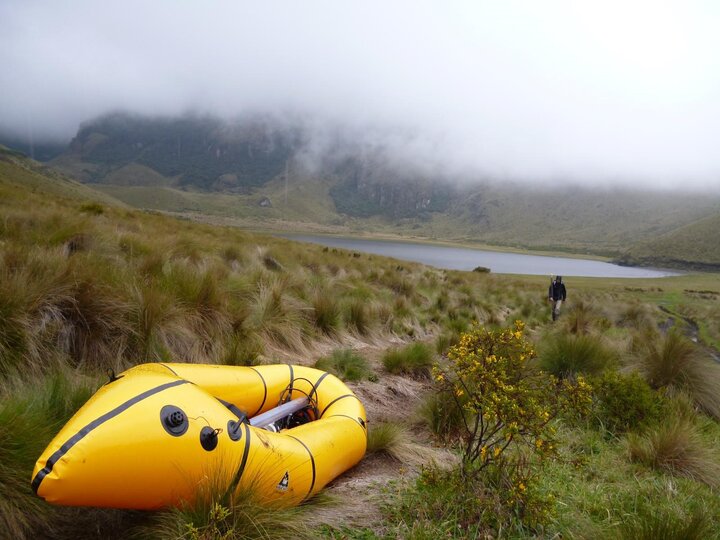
603 91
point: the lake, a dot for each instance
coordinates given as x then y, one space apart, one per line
458 258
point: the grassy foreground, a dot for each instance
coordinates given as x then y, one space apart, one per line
86 286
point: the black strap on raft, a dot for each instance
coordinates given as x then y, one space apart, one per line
242 417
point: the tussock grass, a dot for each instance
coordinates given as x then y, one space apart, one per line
158 325
30 413
415 359
357 316
441 414
677 448
635 315
446 340
675 363
396 441
346 364
565 355
278 318
218 515
652 524
327 315
243 350
582 316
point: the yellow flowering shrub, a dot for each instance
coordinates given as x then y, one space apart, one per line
508 405
507 402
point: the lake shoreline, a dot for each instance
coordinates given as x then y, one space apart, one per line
465 258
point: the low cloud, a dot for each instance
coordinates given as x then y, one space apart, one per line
588 92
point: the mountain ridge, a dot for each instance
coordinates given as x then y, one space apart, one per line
262 167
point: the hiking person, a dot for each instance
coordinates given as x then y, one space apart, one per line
556 295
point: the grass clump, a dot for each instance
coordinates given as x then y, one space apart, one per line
414 359
30 413
92 208
217 515
652 524
567 355
385 437
346 364
357 316
441 414
395 441
677 448
326 313
675 363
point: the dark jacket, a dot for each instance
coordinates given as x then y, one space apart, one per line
557 291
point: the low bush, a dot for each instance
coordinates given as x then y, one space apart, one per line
444 504
92 208
624 402
414 359
346 364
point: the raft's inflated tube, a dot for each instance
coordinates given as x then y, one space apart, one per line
159 434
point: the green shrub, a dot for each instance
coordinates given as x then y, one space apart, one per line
511 405
566 355
346 364
445 504
624 402
414 359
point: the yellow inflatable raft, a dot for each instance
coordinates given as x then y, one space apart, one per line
158 433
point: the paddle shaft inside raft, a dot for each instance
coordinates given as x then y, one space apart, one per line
278 413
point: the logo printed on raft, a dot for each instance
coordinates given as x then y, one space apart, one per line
283 484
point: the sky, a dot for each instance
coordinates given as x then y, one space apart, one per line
599 92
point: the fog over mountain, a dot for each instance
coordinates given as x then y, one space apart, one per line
611 92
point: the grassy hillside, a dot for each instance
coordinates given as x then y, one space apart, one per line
696 245
631 453
597 222
20 176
